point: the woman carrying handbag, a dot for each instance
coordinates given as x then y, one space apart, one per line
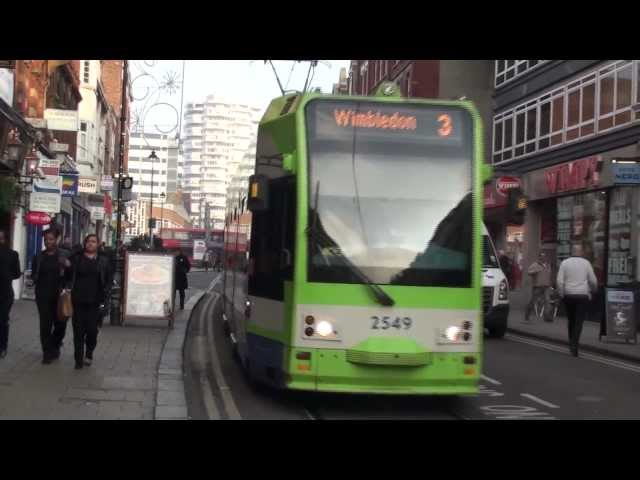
47 273
88 280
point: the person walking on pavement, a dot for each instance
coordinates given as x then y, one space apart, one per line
88 279
9 271
47 273
540 273
207 260
181 283
576 280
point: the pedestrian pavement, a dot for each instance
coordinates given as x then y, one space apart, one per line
557 331
121 384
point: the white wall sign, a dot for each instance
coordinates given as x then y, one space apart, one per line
46 194
36 122
87 185
59 147
6 85
65 120
97 213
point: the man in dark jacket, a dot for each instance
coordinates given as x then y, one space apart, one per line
182 268
9 271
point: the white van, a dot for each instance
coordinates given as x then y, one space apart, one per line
495 290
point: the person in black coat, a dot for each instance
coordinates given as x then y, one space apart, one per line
9 271
88 277
180 281
47 273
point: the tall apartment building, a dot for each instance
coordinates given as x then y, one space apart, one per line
216 135
157 177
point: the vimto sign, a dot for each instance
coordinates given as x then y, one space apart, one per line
504 184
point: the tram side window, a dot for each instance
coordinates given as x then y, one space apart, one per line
273 234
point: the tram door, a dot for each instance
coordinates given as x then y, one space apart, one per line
272 256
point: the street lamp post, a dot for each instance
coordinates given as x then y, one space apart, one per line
162 196
153 158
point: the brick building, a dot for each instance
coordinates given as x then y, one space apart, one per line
111 78
447 79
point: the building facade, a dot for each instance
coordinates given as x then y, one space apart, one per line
155 179
216 135
567 132
444 79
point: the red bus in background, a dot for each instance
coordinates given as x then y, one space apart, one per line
186 238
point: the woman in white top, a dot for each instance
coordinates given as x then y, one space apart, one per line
576 280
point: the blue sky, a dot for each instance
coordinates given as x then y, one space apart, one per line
251 82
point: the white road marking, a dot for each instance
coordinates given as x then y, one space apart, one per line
225 391
309 415
490 380
214 282
587 356
539 400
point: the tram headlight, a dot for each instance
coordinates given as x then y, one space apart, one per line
324 328
452 333
503 290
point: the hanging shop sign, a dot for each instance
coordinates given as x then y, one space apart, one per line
87 185
46 194
106 183
70 185
38 218
97 213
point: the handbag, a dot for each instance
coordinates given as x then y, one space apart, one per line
65 306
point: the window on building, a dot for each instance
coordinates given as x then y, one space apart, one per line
85 71
585 106
507 70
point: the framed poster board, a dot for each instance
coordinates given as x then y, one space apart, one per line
149 286
621 314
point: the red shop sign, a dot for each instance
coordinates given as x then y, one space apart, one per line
575 175
504 184
38 218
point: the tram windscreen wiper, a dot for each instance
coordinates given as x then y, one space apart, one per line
322 239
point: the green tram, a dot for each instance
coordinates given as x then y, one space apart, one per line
362 272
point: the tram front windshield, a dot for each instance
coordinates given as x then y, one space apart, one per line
390 189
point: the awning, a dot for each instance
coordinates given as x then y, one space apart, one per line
25 128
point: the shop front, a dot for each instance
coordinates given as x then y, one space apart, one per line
505 235
583 202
